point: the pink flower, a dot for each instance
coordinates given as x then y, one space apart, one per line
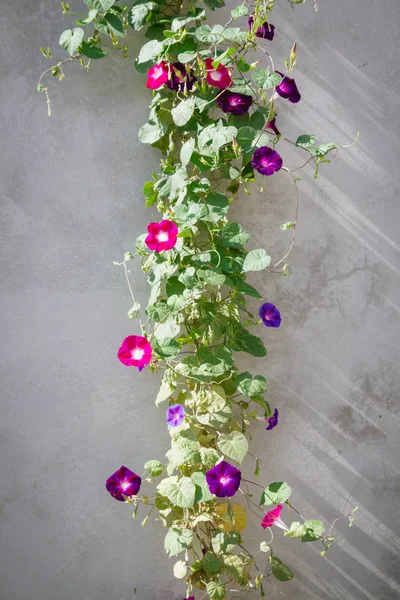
135 351
272 518
219 77
162 235
157 75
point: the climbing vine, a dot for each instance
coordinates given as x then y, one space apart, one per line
214 115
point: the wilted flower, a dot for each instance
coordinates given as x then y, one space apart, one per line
179 79
135 351
271 125
157 75
266 30
219 77
266 161
272 421
175 415
162 235
270 315
288 89
235 104
272 518
223 479
123 483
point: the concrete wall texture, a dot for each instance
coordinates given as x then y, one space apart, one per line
71 203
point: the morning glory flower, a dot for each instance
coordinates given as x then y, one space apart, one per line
270 315
135 351
271 125
235 104
219 77
161 236
223 479
157 75
272 421
123 483
265 31
175 415
272 518
179 79
288 89
266 161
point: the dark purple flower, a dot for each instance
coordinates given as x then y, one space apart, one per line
123 483
179 80
271 125
266 161
270 315
175 415
235 104
191 598
223 479
265 31
288 89
272 421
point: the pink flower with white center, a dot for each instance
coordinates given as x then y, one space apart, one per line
219 77
135 351
157 75
162 235
273 518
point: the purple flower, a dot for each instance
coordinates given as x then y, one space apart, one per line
266 161
235 104
271 125
288 89
179 79
123 483
270 315
175 415
265 31
223 479
272 421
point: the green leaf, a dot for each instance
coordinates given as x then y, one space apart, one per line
154 467
264 547
92 15
242 287
234 445
166 347
239 11
210 563
206 34
279 570
183 112
265 78
314 530
139 14
216 591
297 530
256 260
233 565
91 50
233 235
203 493
217 205
249 386
188 278
225 542
209 457
276 493
100 5
214 4
211 276
243 341
184 451
71 39
177 540
214 136
241 86
187 151
150 51
114 23
152 131
246 137
323 149
180 569
183 20
180 492
305 141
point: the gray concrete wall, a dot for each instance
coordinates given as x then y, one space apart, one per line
71 204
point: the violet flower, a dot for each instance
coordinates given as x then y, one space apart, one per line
175 415
272 421
157 75
265 31
219 77
135 351
223 479
123 483
270 315
266 161
235 104
179 79
162 236
271 125
273 518
288 89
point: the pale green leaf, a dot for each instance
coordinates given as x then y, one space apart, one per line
276 493
256 260
234 445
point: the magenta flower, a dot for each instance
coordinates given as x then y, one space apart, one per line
272 421
223 479
235 104
288 89
135 351
123 483
175 415
162 235
270 315
271 125
266 161
272 518
219 77
266 30
157 75
179 79
191 598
